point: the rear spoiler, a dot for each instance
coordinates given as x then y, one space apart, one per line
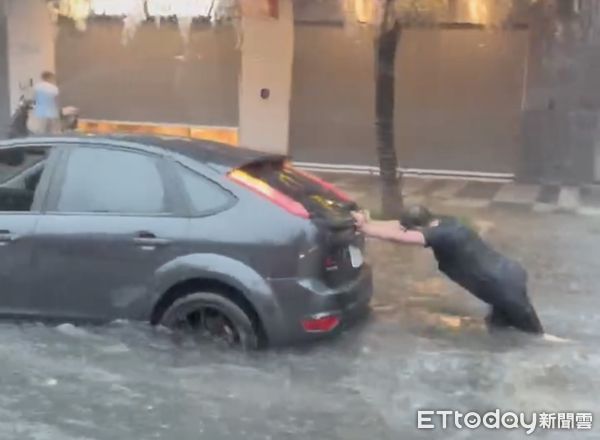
242 161
264 160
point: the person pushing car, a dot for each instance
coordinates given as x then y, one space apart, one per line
467 260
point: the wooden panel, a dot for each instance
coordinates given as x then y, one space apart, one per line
226 135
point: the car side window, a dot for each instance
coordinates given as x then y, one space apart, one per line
99 180
204 195
21 169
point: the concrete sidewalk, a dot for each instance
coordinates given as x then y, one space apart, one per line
475 194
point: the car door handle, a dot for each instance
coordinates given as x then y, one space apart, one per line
7 237
149 239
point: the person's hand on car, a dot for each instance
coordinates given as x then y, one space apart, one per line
360 217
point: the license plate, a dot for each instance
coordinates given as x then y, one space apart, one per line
356 257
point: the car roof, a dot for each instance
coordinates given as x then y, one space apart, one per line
221 156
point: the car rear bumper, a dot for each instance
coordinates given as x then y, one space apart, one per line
301 299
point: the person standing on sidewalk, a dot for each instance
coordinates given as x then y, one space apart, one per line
467 260
46 111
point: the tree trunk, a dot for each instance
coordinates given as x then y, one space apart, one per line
385 57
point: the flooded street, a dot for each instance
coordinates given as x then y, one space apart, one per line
424 348
483 109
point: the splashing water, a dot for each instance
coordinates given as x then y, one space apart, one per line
126 381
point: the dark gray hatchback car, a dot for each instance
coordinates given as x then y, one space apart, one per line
226 242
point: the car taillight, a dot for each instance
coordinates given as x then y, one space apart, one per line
320 323
267 191
324 184
330 264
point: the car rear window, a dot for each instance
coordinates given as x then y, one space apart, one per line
294 183
204 195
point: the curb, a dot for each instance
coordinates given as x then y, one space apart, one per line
408 172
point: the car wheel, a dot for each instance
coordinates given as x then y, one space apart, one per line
214 317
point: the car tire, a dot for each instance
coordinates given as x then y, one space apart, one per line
241 321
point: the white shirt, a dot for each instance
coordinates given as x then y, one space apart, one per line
46 103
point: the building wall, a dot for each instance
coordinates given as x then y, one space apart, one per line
267 56
333 96
458 93
145 80
561 117
458 98
30 46
4 89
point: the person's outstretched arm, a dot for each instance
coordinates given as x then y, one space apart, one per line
389 231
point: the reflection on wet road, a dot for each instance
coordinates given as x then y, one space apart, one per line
126 381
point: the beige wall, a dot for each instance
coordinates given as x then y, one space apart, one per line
267 54
30 45
4 89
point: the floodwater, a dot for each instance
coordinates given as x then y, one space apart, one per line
127 381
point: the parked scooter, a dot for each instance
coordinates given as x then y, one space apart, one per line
19 124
